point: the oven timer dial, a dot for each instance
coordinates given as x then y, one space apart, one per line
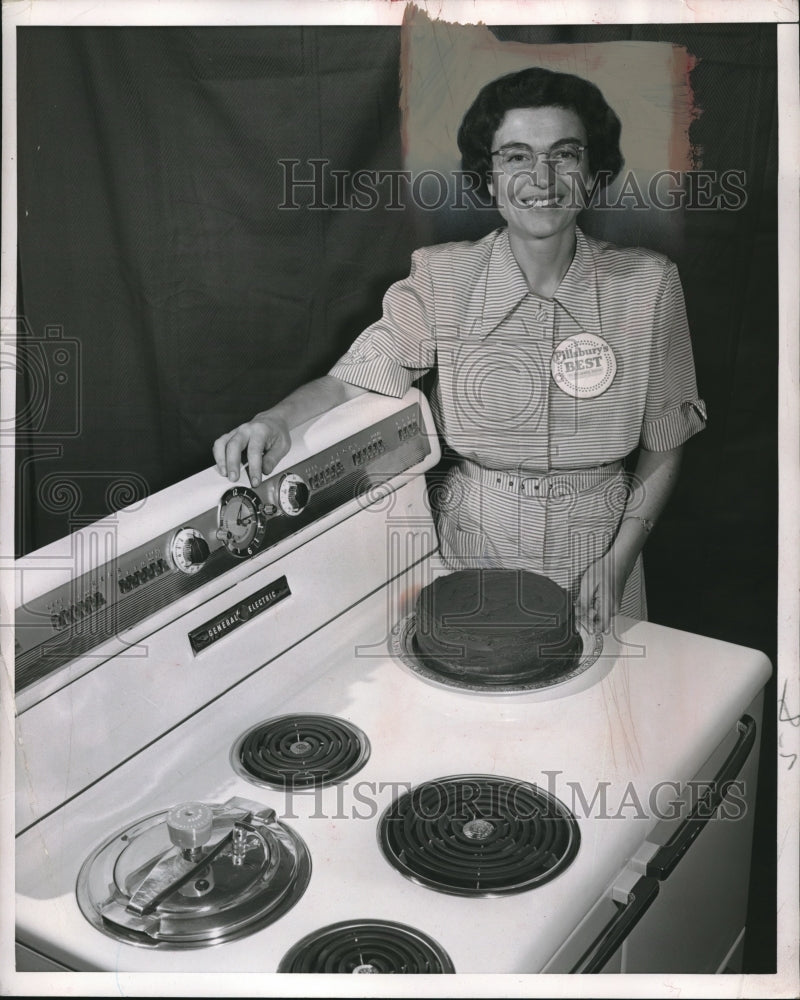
188 550
293 494
242 521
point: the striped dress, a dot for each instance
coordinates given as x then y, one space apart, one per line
539 482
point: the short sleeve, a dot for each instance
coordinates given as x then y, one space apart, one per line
673 409
400 347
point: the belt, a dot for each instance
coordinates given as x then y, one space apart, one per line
544 484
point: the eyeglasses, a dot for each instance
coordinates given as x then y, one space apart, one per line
519 158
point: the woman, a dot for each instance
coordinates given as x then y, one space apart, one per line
556 357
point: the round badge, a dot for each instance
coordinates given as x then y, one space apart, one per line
583 366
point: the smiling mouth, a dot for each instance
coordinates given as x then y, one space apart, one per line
540 202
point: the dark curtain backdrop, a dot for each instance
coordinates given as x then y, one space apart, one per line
165 295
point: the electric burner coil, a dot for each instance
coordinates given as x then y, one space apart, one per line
479 835
367 946
300 752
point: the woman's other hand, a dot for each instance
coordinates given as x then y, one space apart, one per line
601 590
266 440
603 582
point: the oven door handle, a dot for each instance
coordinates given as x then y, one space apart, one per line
667 857
630 911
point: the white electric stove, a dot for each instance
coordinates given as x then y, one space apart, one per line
229 758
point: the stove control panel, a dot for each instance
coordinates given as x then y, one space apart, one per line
70 620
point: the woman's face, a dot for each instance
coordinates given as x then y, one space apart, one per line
539 201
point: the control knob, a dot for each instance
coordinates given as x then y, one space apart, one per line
195 550
188 550
293 494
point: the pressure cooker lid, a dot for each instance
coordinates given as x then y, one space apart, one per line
194 875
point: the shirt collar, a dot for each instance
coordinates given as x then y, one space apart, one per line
577 293
504 287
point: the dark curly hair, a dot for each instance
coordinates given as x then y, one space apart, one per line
540 88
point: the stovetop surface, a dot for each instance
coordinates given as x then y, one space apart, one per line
652 708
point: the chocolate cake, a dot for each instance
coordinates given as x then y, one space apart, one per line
496 626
